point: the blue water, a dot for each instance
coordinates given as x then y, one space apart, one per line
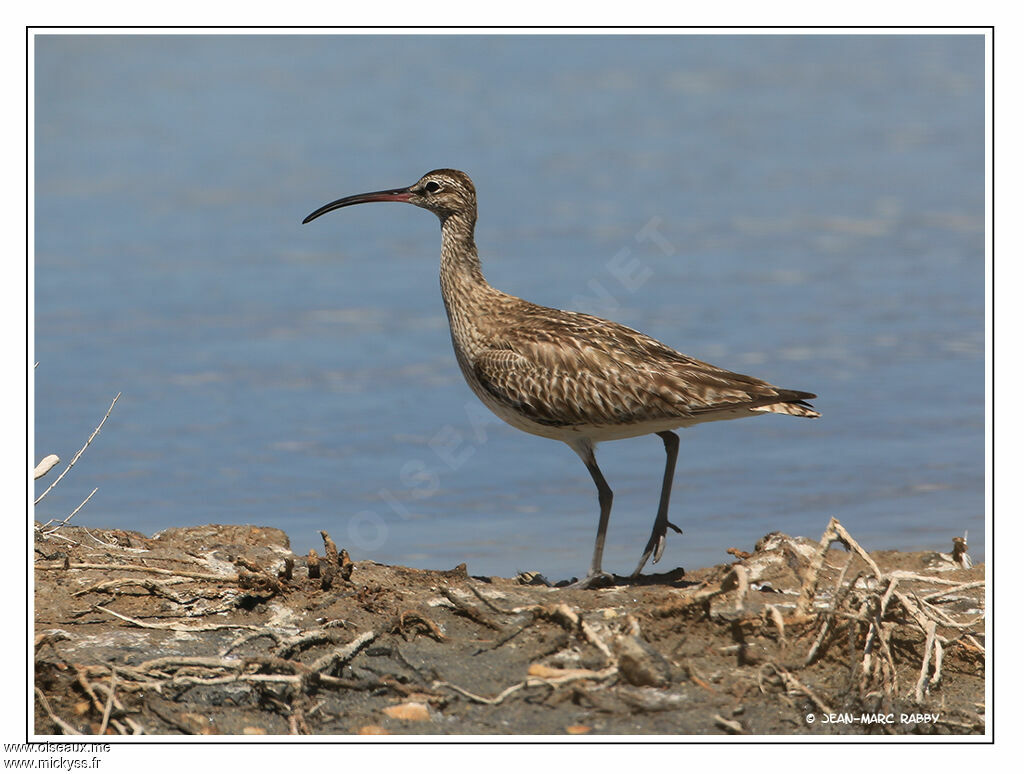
807 209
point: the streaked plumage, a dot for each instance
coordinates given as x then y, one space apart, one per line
570 376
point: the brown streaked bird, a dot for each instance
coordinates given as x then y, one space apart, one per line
571 376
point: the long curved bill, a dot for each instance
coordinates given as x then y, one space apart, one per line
394 195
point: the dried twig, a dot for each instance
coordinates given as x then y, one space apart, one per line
341 655
65 727
833 532
255 635
110 702
482 699
83 681
175 627
470 611
562 614
729 725
571 675
69 517
305 640
152 586
920 689
433 630
486 601
792 684
947 592
140 568
80 451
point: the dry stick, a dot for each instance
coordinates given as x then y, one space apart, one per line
888 594
833 532
175 627
806 598
152 586
929 642
940 617
892 685
91 689
933 613
728 725
110 702
68 729
911 606
574 675
837 598
873 623
412 615
209 662
342 654
87 687
793 684
869 640
113 546
141 568
847 539
561 613
70 516
530 681
594 639
103 688
482 699
179 681
908 575
79 454
780 624
471 612
947 592
252 636
888 662
486 601
51 636
65 539
842 577
937 672
502 640
316 637
131 674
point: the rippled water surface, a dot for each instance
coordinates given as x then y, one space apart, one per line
805 209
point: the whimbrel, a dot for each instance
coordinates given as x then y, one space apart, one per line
571 376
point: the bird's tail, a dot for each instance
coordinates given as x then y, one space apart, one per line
795 404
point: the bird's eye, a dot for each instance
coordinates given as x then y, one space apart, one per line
432 187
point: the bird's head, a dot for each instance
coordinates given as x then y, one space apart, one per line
444 192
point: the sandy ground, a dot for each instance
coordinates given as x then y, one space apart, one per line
222 630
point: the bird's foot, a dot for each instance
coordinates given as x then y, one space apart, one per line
593 580
656 544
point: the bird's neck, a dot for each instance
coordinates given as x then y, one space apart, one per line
458 250
462 281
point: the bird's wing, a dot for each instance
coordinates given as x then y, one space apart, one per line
571 368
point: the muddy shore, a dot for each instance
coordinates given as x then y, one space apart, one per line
222 630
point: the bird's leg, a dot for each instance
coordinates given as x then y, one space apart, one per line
604 496
656 544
